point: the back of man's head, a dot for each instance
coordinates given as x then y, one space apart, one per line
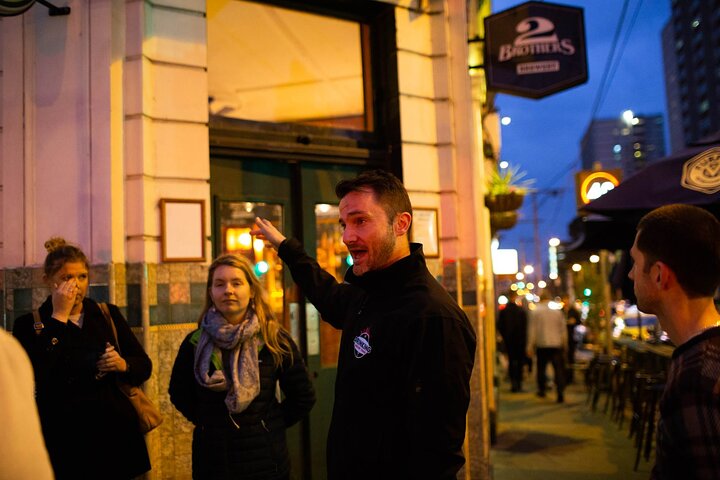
389 191
687 239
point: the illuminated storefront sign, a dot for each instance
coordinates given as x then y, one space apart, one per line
591 185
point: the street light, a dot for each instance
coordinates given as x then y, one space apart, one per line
594 258
528 269
554 242
576 267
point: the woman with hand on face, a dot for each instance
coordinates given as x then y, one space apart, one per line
226 375
90 427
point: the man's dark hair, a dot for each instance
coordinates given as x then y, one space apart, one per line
389 191
686 239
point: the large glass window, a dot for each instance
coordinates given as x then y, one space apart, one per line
272 64
333 256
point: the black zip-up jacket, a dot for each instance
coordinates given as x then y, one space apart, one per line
250 445
90 428
406 355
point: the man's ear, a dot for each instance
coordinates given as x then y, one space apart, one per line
664 277
402 223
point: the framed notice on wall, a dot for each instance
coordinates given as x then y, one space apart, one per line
182 230
425 230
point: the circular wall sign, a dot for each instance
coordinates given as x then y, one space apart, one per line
596 185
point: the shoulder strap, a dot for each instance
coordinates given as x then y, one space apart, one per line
106 313
38 325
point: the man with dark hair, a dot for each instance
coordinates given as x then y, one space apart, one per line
407 349
676 273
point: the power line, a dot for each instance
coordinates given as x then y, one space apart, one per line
618 29
619 56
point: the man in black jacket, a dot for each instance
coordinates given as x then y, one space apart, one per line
407 349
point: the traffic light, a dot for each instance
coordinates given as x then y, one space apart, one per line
587 292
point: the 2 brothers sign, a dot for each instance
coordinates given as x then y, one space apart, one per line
535 49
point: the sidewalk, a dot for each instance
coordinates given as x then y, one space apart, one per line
539 439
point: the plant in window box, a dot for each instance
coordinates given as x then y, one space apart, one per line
506 189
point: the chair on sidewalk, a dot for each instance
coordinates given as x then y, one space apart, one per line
650 387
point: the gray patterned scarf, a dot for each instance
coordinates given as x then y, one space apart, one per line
241 342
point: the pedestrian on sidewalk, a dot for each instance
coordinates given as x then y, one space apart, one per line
676 273
547 336
512 325
573 320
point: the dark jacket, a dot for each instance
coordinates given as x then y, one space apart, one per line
406 355
90 427
251 444
513 325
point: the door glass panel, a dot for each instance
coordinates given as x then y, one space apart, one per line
273 64
333 256
236 221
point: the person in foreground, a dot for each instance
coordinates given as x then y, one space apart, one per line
91 429
225 376
407 349
676 272
22 454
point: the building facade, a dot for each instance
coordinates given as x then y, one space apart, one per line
629 142
150 133
691 56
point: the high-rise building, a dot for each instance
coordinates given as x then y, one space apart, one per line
692 70
628 142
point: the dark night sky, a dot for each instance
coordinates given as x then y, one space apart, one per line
544 135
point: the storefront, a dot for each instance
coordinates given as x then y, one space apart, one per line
245 109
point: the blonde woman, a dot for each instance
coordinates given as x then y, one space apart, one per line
90 427
225 375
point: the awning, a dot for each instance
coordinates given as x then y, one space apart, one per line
690 177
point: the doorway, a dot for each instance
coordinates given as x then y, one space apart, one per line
299 199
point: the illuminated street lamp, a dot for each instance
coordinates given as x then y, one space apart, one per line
519 275
554 242
528 269
542 284
576 267
594 258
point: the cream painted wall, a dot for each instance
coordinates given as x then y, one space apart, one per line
166 114
47 124
104 112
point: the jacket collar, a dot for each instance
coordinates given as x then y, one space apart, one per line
392 276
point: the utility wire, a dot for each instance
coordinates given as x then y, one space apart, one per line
608 62
618 57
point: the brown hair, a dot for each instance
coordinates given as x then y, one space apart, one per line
59 253
276 338
388 190
687 239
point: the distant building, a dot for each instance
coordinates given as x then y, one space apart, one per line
629 142
693 82
672 90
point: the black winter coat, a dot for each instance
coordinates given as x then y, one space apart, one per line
403 378
250 445
90 427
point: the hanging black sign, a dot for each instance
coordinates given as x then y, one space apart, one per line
535 49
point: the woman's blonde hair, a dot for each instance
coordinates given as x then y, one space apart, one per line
59 253
276 338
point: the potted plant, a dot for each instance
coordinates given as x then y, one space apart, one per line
506 189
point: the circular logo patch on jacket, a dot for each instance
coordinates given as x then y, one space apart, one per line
362 343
